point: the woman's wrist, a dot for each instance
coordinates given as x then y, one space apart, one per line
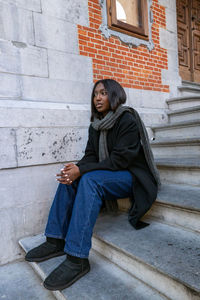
78 173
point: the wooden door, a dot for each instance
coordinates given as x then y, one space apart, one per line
188 19
195 12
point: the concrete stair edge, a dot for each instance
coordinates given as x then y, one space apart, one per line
182 98
174 175
181 170
135 284
175 124
154 278
183 110
183 114
177 200
174 215
193 192
175 141
189 87
174 147
190 83
57 294
173 205
141 269
176 129
176 205
187 219
181 162
185 101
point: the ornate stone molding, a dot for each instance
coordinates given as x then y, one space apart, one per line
129 40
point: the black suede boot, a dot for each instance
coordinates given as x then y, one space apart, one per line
51 248
67 273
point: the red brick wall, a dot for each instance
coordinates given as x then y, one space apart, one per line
133 67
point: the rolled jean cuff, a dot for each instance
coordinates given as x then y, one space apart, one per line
75 254
54 236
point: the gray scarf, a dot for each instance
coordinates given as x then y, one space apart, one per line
107 123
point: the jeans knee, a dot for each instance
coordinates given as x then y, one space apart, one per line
88 177
93 180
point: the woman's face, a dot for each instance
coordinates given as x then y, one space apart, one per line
100 99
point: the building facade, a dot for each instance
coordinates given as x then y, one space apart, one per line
51 53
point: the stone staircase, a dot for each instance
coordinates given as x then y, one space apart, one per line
188 89
161 261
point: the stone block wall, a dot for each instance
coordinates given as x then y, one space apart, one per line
44 106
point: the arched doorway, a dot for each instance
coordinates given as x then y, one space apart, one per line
188 22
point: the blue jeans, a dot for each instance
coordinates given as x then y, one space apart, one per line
76 207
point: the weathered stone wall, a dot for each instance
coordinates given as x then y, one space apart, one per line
44 108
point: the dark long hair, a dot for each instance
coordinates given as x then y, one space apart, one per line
116 96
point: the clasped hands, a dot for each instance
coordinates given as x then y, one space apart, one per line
68 174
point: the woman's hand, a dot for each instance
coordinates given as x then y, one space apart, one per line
68 174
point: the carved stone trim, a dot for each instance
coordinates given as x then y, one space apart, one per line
127 39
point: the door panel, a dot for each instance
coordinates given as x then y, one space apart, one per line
184 39
196 39
188 23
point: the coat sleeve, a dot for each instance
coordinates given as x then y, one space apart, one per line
90 155
124 151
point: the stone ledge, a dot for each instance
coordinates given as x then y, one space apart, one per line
184 110
176 124
174 142
176 204
180 196
179 162
160 255
104 281
38 116
194 88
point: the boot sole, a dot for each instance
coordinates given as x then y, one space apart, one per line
62 287
46 257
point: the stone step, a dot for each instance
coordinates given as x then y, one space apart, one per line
190 83
176 204
163 256
181 170
185 114
19 282
171 147
178 130
183 102
104 281
189 89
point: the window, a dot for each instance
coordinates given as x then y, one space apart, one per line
129 17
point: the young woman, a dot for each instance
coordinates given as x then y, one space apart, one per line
118 163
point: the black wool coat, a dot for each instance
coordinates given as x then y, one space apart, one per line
125 153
